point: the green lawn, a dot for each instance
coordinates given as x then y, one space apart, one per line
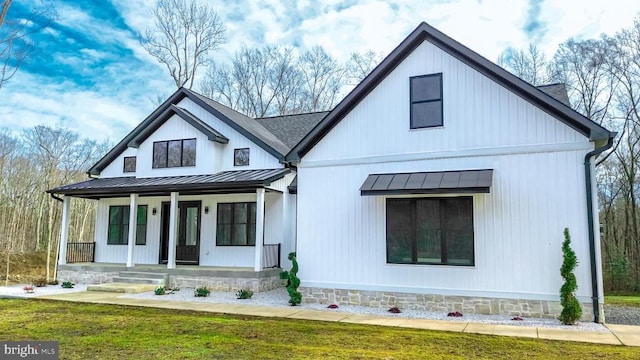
625 300
91 331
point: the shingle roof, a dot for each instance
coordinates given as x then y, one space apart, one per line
556 91
290 129
224 181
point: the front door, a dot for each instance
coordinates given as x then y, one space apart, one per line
188 241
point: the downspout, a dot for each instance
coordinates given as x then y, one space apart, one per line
592 237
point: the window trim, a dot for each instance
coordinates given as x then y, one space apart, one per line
414 242
166 159
124 164
411 102
233 204
125 239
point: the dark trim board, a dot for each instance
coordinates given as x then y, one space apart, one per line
425 32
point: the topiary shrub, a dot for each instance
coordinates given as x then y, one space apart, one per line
571 309
295 297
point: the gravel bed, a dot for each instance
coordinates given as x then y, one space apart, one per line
279 298
627 315
18 290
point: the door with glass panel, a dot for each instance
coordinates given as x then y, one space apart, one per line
188 240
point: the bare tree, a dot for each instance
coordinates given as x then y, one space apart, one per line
323 78
360 65
16 41
182 38
530 65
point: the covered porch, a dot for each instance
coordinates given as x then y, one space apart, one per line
185 221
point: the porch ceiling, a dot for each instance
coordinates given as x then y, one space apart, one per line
223 182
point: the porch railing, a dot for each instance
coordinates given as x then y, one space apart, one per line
80 252
271 256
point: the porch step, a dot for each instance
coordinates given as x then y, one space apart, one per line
142 275
141 281
121 287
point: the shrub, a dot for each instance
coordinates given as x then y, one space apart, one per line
202 292
67 285
455 314
571 309
28 289
295 297
395 310
244 294
332 306
160 290
40 282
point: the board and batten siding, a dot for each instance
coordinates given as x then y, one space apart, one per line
210 254
211 157
538 188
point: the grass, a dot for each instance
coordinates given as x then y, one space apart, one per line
624 300
96 331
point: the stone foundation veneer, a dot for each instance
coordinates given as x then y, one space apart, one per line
443 303
89 277
226 284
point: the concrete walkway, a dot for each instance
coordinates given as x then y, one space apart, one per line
620 334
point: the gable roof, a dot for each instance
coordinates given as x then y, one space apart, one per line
212 134
290 129
424 32
246 126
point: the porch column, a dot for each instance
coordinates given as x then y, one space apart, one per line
133 221
259 229
286 224
64 230
173 231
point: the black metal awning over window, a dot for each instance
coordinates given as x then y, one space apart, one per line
439 182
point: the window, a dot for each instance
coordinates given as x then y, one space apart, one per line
130 164
174 153
236 224
119 225
426 101
241 157
430 231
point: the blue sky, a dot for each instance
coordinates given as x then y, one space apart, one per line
93 77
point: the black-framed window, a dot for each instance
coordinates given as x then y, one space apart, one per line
119 225
236 224
241 157
129 164
174 153
430 231
426 101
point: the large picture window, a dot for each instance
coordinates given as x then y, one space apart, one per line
236 225
430 231
119 225
426 101
174 153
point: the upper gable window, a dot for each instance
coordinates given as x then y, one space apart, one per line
241 157
129 164
426 101
174 153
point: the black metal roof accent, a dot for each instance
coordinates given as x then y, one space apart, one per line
438 182
424 32
225 181
212 134
246 126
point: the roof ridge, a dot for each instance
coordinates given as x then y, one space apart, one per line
297 114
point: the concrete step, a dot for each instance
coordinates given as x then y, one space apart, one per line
122 287
144 281
142 275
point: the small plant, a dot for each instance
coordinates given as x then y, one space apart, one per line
295 297
40 282
517 318
455 314
67 285
244 294
332 306
202 292
160 290
571 309
28 289
395 310
53 282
